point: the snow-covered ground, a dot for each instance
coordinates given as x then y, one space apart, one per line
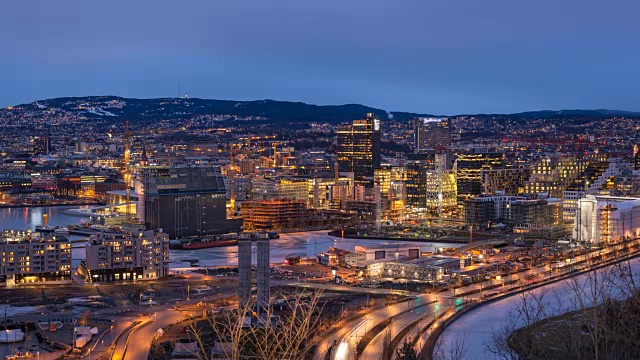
100 112
303 244
16 310
83 299
477 326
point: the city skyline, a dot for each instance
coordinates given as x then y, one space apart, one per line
468 57
447 180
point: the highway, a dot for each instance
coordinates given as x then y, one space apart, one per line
507 282
541 273
341 288
482 320
347 337
400 322
475 327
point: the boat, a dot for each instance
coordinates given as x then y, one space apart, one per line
44 228
61 231
11 336
193 245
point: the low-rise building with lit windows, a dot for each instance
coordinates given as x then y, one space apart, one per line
28 257
126 256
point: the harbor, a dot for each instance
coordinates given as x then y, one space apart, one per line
303 244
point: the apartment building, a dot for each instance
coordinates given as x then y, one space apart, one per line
509 180
126 256
27 257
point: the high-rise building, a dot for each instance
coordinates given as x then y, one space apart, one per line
441 189
552 174
480 212
594 179
391 185
508 180
359 148
326 193
432 133
469 166
558 172
42 145
186 201
418 165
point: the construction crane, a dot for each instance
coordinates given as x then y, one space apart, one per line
275 154
378 204
232 181
127 170
582 186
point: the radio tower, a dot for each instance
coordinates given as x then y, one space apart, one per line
127 170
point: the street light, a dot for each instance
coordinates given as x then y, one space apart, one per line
499 278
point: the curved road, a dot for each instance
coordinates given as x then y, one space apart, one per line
347 336
141 336
476 327
376 346
507 282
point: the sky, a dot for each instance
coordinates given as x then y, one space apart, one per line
427 56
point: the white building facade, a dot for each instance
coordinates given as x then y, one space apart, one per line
607 219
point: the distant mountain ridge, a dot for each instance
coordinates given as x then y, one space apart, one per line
281 112
567 113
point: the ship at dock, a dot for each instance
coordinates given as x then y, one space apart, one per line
194 243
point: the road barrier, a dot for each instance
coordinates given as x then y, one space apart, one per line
427 350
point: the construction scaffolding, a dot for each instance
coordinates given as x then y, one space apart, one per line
273 214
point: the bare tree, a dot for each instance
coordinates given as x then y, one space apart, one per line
243 333
457 350
599 319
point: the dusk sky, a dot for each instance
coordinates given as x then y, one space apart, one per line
431 56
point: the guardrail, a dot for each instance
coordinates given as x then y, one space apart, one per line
115 342
427 350
133 331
